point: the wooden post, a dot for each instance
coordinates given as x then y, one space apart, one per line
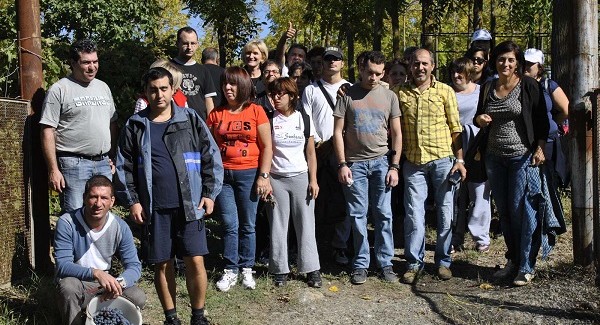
575 67
31 78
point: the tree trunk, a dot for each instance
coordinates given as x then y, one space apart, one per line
378 24
477 11
575 67
222 42
394 19
428 24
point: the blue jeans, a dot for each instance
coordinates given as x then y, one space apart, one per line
508 180
77 171
369 189
417 179
237 203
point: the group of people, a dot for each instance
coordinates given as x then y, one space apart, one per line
289 139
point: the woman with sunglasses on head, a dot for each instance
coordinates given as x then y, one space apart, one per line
243 134
294 182
481 71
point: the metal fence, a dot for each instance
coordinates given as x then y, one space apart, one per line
15 235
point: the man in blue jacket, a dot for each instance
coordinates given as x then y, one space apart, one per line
170 172
85 240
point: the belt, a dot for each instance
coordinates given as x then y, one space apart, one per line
99 157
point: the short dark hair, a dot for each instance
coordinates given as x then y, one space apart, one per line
297 46
315 51
374 57
155 74
361 58
209 53
82 46
505 47
98 181
240 77
186 29
287 85
269 62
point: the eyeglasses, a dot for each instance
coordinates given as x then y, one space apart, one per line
277 95
268 72
478 60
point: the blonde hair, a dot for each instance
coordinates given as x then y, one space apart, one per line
172 68
260 45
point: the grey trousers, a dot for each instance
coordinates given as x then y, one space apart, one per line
74 295
475 211
291 197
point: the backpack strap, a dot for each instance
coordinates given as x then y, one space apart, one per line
326 94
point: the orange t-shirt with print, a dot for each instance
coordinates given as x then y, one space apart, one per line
237 135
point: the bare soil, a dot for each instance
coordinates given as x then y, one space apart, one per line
560 294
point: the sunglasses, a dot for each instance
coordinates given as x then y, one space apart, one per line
478 60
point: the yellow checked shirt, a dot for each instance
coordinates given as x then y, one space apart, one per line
428 120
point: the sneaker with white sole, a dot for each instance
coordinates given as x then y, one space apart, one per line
508 270
228 280
248 279
523 279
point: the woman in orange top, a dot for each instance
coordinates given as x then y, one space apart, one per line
243 134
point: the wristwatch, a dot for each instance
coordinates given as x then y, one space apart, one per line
460 161
264 175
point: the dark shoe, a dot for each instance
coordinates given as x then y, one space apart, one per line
199 320
172 321
279 280
411 276
509 270
358 276
339 256
387 274
314 279
444 273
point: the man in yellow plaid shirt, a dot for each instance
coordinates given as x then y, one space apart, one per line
431 133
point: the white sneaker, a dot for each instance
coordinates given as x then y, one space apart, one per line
227 281
247 279
523 279
508 270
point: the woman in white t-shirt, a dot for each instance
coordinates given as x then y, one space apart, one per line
294 183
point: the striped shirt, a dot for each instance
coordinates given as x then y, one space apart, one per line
428 120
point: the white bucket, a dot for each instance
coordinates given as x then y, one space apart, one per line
130 311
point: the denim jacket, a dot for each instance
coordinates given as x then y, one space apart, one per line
194 152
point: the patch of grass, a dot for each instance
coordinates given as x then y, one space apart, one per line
31 302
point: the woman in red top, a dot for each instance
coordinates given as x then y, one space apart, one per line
243 134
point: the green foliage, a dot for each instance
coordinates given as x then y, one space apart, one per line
106 22
233 21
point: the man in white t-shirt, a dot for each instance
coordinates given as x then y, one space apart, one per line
319 100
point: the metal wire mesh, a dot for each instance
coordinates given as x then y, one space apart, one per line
15 237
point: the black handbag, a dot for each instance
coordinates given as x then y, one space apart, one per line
475 158
475 155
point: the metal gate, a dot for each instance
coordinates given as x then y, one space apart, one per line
15 235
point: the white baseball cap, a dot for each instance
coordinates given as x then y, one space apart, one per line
534 56
481 35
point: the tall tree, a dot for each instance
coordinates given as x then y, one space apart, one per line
233 21
107 22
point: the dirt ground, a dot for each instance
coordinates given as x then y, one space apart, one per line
560 294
